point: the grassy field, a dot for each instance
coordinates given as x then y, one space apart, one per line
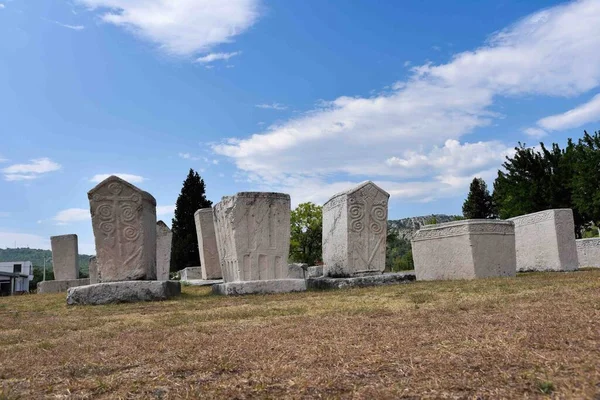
528 337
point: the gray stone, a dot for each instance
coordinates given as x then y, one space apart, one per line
355 231
164 238
60 286
315 271
65 257
93 270
297 270
190 273
124 224
260 287
123 292
323 283
545 241
588 252
201 282
207 244
468 249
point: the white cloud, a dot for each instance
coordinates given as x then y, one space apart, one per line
127 177
212 57
165 210
535 132
72 215
35 169
183 27
552 53
574 118
272 106
1 6
12 239
73 27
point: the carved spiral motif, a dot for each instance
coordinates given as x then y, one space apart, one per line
379 212
96 197
128 213
376 228
115 188
130 233
356 211
136 198
105 211
107 227
357 225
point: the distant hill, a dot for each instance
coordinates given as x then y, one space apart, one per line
37 256
406 227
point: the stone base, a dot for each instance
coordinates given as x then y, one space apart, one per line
260 287
201 282
123 292
60 286
315 271
361 281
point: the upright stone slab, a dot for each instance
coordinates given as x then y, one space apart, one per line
207 244
355 231
545 241
164 238
468 249
65 257
124 224
588 252
93 270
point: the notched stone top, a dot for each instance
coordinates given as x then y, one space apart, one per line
463 227
162 226
70 236
115 179
204 210
356 189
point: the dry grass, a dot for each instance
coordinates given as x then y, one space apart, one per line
533 336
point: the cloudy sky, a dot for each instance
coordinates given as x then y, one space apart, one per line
306 97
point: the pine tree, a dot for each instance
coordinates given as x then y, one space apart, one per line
184 249
479 201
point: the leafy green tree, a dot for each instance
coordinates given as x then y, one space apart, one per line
184 249
398 254
586 177
479 201
306 233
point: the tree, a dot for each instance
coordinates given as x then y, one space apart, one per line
479 201
306 231
398 254
586 177
184 249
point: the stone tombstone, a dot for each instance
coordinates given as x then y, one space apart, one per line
207 244
164 238
124 224
588 252
93 270
65 257
253 236
476 248
545 241
355 231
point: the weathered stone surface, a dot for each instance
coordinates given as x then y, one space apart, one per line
545 241
164 237
93 270
588 252
260 287
468 249
65 257
253 236
207 244
202 282
323 283
190 273
315 271
123 292
60 286
297 270
355 231
124 223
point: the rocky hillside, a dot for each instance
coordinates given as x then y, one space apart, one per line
406 227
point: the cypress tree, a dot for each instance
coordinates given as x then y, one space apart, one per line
479 201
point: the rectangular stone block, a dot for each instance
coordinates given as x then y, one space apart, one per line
545 241
93 270
325 283
297 270
123 292
260 287
315 271
60 286
355 231
124 224
588 252
207 244
164 238
253 236
190 273
65 257
465 250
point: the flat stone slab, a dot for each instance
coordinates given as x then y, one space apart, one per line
361 281
60 286
123 292
201 282
260 287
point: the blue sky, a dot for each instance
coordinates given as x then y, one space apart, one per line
304 97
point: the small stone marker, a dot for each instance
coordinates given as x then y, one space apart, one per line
355 231
190 273
124 224
93 270
467 249
164 238
207 244
588 252
545 241
65 257
123 292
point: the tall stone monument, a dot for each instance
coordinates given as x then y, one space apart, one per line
253 240
355 231
164 237
124 224
545 241
65 257
93 270
207 244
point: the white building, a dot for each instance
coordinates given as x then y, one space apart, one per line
15 277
